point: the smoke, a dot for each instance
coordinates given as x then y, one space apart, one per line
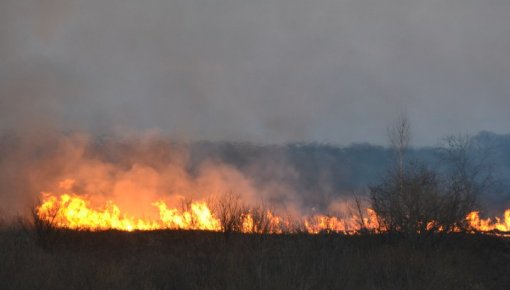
260 71
134 172
222 70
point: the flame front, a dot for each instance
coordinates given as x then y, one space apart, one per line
75 212
72 211
199 217
489 225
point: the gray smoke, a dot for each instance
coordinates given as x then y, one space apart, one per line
266 71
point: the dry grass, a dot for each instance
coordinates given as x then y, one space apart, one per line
205 260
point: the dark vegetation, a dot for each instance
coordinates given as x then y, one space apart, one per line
415 198
66 259
206 260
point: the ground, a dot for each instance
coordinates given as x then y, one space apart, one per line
206 260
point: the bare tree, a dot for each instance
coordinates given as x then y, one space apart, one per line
407 203
186 206
261 220
388 197
412 198
400 136
230 210
359 212
468 172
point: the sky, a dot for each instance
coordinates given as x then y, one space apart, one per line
265 71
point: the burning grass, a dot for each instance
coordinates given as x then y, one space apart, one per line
71 211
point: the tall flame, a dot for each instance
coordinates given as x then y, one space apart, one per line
76 212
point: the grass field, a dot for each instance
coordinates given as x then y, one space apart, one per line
208 260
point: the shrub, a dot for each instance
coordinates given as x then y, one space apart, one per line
45 228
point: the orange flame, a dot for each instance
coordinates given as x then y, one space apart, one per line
76 212
489 225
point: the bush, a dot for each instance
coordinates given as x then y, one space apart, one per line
415 199
407 203
45 229
230 210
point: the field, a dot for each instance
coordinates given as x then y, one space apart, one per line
209 260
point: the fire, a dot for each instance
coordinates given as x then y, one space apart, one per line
489 225
199 217
76 212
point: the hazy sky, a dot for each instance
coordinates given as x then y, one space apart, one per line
256 70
